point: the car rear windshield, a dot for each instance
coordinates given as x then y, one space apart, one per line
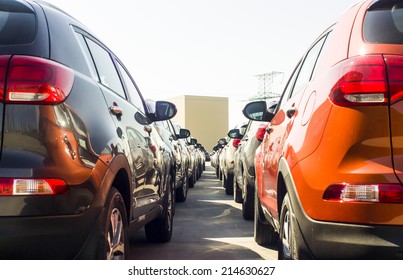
383 23
17 24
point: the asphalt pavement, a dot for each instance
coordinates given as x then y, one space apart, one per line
207 226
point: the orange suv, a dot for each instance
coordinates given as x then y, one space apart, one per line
329 169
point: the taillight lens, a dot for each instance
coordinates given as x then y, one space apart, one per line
383 193
36 80
394 66
261 131
362 82
3 70
10 187
236 142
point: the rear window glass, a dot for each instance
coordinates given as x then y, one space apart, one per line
383 23
17 23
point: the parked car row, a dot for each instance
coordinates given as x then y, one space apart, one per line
84 158
328 156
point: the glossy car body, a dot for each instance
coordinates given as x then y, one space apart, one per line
244 167
215 156
227 160
328 172
77 166
171 137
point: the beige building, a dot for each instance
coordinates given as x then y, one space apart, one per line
206 117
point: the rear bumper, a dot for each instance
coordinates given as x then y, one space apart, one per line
347 241
49 238
342 241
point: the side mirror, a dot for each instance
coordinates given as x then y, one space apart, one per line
160 110
257 111
222 141
164 110
234 134
183 133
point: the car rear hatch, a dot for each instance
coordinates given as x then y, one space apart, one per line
383 25
20 34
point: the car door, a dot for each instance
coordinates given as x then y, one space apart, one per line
127 110
275 143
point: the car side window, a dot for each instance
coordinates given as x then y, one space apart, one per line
87 55
106 70
307 69
303 73
131 88
288 89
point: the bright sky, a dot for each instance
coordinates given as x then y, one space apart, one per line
205 47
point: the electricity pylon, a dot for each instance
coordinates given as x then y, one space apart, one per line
267 82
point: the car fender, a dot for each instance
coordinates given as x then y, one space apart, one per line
286 184
119 172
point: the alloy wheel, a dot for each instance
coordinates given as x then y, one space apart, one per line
116 237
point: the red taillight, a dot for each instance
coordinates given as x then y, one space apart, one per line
36 80
3 70
394 66
261 131
236 142
383 193
362 82
13 187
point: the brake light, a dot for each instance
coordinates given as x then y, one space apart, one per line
10 187
394 66
3 69
261 131
383 193
362 82
236 142
37 80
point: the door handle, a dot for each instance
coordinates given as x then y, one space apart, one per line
115 110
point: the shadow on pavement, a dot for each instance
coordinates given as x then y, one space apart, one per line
207 226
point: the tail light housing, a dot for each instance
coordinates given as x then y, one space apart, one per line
369 80
16 187
3 70
382 193
34 80
363 81
394 66
261 131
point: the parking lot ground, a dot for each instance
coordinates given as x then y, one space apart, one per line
207 226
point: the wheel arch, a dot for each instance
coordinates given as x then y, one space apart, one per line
120 179
286 185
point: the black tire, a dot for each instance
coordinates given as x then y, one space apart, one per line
191 181
217 172
237 192
264 233
182 192
229 184
287 242
160 229
114 243
248 202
